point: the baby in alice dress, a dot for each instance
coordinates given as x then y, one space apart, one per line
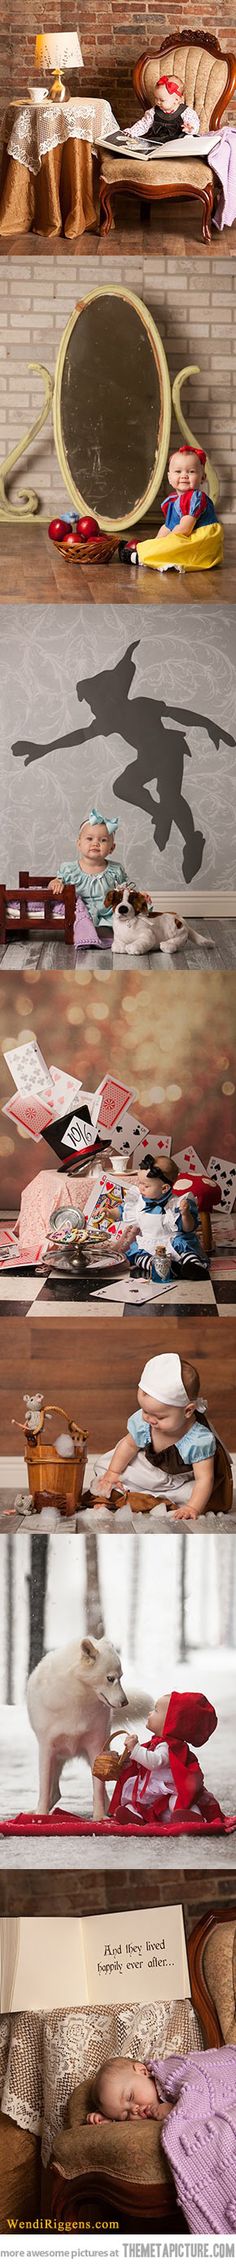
93 871
156 1218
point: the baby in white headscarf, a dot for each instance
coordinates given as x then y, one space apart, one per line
93 871
168 1416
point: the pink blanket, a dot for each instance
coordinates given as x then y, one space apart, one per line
199 2137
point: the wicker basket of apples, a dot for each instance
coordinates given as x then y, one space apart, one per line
82 540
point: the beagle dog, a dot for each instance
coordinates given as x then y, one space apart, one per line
137 928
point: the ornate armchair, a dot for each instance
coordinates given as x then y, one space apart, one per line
212 1964
118 2170
209 79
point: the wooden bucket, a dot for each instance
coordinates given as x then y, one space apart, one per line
53 1478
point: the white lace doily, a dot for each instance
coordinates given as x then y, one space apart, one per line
37 129
42 2058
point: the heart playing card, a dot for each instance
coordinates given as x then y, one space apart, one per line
66 1089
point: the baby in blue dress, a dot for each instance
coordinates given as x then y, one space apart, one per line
186 1249
160 1220
168 1417
93 871
189 506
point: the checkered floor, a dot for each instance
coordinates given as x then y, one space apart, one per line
26 1293
29 1295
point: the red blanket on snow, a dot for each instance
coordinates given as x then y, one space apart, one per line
63 1822
187 1713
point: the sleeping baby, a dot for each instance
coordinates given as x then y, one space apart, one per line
192 2098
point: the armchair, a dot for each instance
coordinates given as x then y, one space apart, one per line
209 79
212 1965
117 2174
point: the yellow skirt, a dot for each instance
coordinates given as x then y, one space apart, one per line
205 548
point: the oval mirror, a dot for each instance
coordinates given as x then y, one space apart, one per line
112 408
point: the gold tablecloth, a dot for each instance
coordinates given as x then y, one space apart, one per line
49 172
57 201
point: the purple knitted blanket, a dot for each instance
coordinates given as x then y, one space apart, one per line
199 2137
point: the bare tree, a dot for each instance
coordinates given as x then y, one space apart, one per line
225 1571
183 1647
94 1612
37 1592
134 1598
10 1622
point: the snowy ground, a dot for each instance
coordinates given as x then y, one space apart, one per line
214 1674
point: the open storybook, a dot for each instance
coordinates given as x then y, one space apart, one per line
47 1963
190 145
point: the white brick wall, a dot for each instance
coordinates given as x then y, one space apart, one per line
193 303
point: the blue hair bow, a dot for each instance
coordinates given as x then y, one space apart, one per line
96 818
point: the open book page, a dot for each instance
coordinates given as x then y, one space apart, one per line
186 145
41 1964
47 1963
136 1957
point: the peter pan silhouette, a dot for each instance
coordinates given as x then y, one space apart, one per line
141 723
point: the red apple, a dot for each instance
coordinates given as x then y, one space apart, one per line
87 527
58 529
71 540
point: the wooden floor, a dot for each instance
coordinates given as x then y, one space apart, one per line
173 228
219 952
71 1362
32 571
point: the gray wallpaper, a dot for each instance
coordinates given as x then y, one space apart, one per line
146 707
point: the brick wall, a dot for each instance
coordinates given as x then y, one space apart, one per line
120 1891
194 308
112 34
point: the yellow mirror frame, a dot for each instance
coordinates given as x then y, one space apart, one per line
143 503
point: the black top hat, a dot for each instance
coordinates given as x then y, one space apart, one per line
73 1138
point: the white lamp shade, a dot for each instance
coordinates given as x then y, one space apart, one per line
57 51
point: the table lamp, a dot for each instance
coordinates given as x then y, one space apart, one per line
56 51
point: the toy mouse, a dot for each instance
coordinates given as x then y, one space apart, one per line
35 1414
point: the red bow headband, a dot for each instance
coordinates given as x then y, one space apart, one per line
174 86
188 450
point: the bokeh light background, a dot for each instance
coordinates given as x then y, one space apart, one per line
175 1043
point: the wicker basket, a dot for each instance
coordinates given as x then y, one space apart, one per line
108 1766
96 549
53 1478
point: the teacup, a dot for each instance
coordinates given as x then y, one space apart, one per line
38 94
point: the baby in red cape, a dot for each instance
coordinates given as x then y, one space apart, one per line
162 1782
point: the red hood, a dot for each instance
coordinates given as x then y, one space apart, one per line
189 1717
